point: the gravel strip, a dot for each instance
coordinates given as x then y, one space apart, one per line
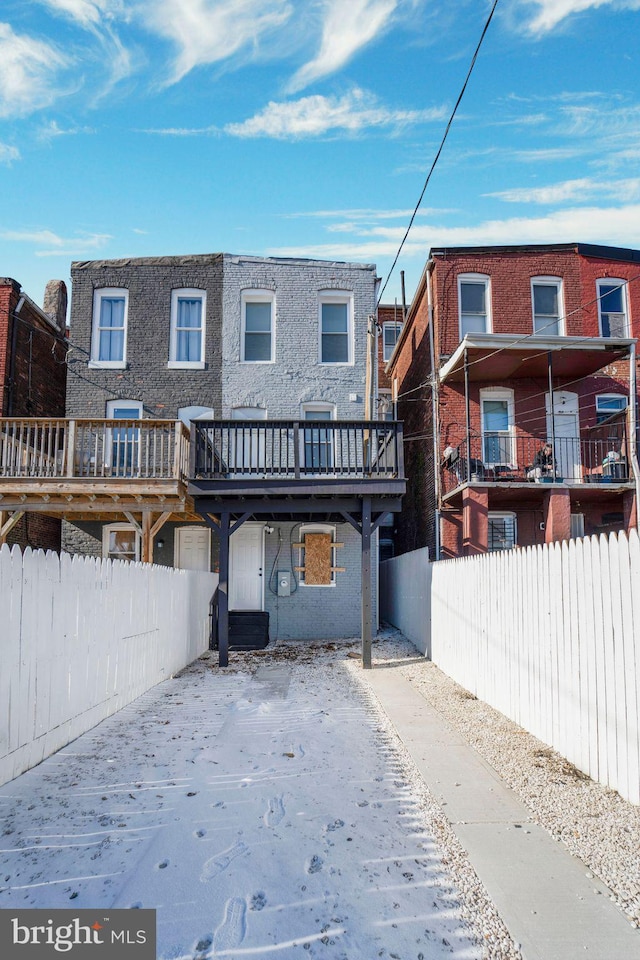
594 822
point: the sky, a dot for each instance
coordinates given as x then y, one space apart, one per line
133 128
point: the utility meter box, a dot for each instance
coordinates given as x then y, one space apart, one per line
284 583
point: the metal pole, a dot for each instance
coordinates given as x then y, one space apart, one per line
366 583
553 413
633 402
435 419
223 592
467 410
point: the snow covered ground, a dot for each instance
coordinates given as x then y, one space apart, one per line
264 810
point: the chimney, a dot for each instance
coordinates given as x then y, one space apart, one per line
55 303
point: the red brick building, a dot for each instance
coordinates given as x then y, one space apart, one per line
506 350
33 376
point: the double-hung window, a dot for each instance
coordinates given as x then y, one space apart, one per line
474 301
546 297
612 308
503 534
120 541
390 333
258 340
188 311
109 334
336 328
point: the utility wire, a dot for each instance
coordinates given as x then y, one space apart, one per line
440 148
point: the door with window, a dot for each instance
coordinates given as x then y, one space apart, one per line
318 442
246 567
123 443
497 431
566 429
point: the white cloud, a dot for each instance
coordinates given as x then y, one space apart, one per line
609 225
181 131
52 130
317 115
8 154
552 12
56 246
29 71
209 31
85 12
347 27
582 189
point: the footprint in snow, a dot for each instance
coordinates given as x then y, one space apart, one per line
258 901
231 931
219 863
275 811
315 864
335 825
200 833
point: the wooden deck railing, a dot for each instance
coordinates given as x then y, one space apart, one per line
93 449
297 449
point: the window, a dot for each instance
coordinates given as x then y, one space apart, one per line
120 541
577 526
497 427
612 308
473 300
336 328
188 311
109 334
318 441
609 403
317 555
390 334
187 414
258 341
546 296
123 443
385 405
502 531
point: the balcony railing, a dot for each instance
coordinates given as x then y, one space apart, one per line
297 449
502 458
93 449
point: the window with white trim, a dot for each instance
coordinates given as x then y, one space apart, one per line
304 555
385 405
257 343
109 331
187 414
188 312
612 308
123 443
609 403
577 526
497 422
318 441
503 532
390 333
474 302
120 541
546 299
336 328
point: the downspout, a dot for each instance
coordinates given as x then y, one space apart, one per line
633 447
553 414
467 412
435 418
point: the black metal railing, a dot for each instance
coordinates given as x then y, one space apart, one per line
296 449
499 457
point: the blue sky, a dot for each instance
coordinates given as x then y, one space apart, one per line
282 127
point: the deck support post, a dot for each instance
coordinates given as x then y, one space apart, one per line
223 592
7 525
366 583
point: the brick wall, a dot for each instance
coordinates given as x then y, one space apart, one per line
147 377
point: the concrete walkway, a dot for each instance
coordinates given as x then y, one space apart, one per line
548 902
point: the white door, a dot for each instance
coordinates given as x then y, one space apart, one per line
566 424
192 548
246 562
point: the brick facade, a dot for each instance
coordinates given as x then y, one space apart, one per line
33 376
510 271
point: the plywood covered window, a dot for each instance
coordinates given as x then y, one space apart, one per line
317 555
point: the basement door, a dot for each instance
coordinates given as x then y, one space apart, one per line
192 550
246 563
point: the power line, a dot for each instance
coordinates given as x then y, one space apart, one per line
440 148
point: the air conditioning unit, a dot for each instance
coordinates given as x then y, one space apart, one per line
617 323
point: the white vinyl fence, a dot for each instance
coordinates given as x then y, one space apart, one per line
550 636
405 596
80 638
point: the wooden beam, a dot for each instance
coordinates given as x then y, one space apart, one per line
132 520
159 524
223 592
366 583
147 539
6 526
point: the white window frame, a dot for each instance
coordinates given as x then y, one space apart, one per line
499 393
317 528
387 325
504 515
385 406
257 296
109 527
609 282
195 412
317 407
336 297
610 396
187 293
480 278
134 441
556 282
100 294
